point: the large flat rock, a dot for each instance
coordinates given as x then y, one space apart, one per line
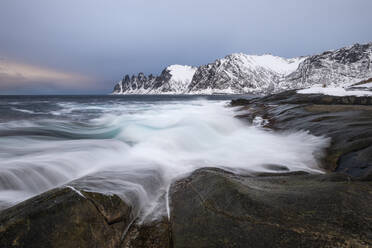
213 208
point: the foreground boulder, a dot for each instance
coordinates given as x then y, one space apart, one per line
65 217
214 208
347 120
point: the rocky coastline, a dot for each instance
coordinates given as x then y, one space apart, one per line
216 208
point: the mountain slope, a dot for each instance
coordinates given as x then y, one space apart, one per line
342 67
241 73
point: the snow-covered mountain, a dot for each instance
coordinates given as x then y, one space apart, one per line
173 80
240 73
342 67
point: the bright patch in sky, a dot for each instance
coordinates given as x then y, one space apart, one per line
14 75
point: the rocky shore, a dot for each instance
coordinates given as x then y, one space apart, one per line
216 208
345 119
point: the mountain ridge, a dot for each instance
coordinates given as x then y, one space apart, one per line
239 73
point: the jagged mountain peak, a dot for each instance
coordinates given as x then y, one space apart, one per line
174 79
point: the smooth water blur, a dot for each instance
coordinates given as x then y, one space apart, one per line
134 146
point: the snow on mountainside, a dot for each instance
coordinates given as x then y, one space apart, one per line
181 77
342 67
240 73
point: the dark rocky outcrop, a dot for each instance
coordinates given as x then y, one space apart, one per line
210 208
65 217
239 102
213 208
347 120
75 216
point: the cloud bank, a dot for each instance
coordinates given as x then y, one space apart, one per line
20 76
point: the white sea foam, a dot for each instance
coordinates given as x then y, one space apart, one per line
24 110
136 151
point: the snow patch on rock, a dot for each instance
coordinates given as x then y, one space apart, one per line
334 91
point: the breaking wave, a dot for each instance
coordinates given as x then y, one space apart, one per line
137 149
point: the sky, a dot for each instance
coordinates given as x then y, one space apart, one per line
86 46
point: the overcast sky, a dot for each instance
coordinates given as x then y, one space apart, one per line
85 46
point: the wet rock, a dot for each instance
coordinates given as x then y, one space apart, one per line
346 120
291 97
155 234
239 102
276 167
65 217
212 208
151 230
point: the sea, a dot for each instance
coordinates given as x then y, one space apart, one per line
136 146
